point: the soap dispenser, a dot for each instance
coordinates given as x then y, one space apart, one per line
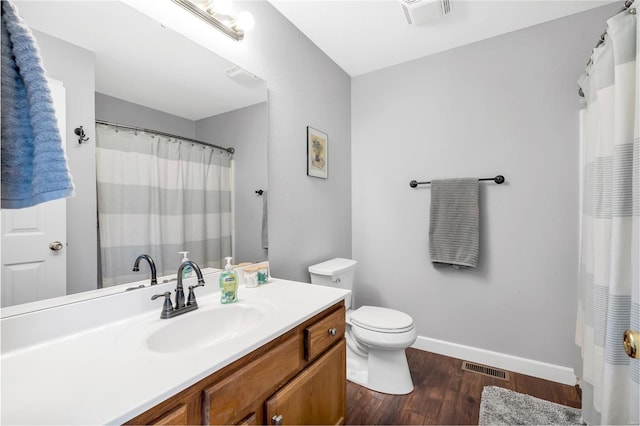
187 271
228 284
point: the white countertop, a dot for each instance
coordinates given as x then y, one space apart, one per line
101 372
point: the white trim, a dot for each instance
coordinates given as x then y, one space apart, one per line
530 367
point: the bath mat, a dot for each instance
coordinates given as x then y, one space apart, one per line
500 406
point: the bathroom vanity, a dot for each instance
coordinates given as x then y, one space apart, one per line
275 357
297 378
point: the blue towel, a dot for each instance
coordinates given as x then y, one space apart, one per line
34 167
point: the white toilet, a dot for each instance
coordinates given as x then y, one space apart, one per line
376 337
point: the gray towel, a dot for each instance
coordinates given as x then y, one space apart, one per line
454 229
265 228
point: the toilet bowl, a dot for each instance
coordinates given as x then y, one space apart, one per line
376 337
376 342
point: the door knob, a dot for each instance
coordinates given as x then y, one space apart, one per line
277 419
56 245
630 343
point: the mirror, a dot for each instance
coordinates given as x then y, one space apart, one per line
117 65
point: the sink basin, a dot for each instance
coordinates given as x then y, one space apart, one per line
205 327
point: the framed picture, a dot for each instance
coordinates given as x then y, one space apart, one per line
317 154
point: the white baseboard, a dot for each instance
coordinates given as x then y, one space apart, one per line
542 370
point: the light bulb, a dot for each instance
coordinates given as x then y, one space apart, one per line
245 21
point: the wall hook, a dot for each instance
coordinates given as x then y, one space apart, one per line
259 192
79 131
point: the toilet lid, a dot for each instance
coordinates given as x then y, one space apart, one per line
381 319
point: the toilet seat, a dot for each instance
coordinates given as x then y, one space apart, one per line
381 320
383 341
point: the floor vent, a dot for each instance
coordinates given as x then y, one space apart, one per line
485 371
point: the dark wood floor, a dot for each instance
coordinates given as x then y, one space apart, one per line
443 394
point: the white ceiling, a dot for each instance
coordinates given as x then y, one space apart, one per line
366 35
140 61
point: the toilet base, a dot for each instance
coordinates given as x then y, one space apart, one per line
357 372
382 371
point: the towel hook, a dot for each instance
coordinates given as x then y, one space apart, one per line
79 131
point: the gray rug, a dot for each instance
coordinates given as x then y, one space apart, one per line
500 406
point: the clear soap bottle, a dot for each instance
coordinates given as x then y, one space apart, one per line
228 284
187 272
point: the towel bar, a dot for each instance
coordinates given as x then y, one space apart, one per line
498 179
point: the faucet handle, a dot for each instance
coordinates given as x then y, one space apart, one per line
191 300
167 308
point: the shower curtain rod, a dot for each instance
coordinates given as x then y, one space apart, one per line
627 5
230 150
498 179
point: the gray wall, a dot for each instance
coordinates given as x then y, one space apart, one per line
507 105
309 218
75 67
115 110
246 130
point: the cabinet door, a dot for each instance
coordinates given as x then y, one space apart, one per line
316 396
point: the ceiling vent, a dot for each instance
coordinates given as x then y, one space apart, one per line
424 11
239 72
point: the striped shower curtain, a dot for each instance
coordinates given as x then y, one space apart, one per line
610 235
159 196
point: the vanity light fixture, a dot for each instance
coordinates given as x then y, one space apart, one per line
217 14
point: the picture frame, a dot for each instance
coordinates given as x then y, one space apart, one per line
317 153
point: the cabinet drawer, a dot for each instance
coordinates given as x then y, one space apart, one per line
249 420
177 416
323 333
235 396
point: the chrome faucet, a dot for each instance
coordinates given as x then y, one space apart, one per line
152 266
168 309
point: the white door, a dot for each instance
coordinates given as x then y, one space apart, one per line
31 270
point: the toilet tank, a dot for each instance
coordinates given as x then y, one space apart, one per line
338 272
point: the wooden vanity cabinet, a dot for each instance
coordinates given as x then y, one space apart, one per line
314 397
299 376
